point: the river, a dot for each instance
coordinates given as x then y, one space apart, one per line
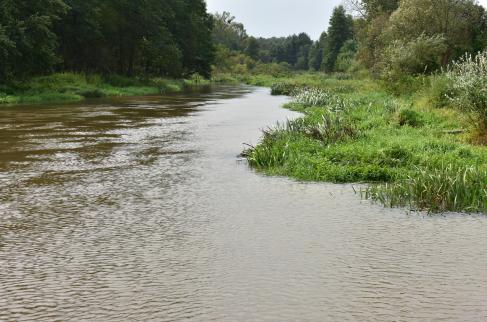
139 209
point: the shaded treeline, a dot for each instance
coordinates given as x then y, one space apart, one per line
129 37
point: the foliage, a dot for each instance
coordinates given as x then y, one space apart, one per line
293 50
273 152
468 78
455 20
403 38
346 57
373 146
283 88
27 41
315 55
439 91
421 55
340 30
227 32
309 97
446 188
63 87
409 117
136 37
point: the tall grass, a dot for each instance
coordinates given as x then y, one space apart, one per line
312 97
354 131
446 188
67 86
274 148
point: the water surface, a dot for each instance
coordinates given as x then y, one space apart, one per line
138 209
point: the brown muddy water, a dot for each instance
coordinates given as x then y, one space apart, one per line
139 209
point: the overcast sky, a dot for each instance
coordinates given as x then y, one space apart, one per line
267 18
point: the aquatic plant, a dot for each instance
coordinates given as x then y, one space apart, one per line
273 150
312 97
446 188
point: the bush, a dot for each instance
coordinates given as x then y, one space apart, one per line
403 84
439 91
346 58
468 78
409 117
121 81
273 69
91 93
283 88
395 156
402 59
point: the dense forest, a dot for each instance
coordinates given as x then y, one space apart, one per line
390 38
178 38
129 37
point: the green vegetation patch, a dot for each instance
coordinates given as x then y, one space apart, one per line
412 154
72 87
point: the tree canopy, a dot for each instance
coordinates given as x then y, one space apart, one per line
151 37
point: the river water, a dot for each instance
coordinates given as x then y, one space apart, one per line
138 209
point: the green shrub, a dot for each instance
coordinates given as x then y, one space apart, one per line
439 91
468 78
418 56
91 93
395 156
409 117
121 81
284 88
402 84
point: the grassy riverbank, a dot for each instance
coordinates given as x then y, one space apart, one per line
411 153
72 87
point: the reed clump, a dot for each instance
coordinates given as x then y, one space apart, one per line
449 187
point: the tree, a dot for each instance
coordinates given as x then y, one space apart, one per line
340 30
27 41
456 20
148 37
252 48
315 57
346 57
228 32
369 9
194 35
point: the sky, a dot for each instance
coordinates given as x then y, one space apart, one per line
267 18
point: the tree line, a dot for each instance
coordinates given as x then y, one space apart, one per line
129 37
175 38
390 38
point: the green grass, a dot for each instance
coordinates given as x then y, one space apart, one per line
72 87
446 188
399 145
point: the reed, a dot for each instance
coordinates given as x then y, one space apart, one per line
449 187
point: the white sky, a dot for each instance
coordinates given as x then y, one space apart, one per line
267 18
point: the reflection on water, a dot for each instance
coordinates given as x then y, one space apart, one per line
138 209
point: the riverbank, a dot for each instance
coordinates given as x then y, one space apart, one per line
409 152
73 87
